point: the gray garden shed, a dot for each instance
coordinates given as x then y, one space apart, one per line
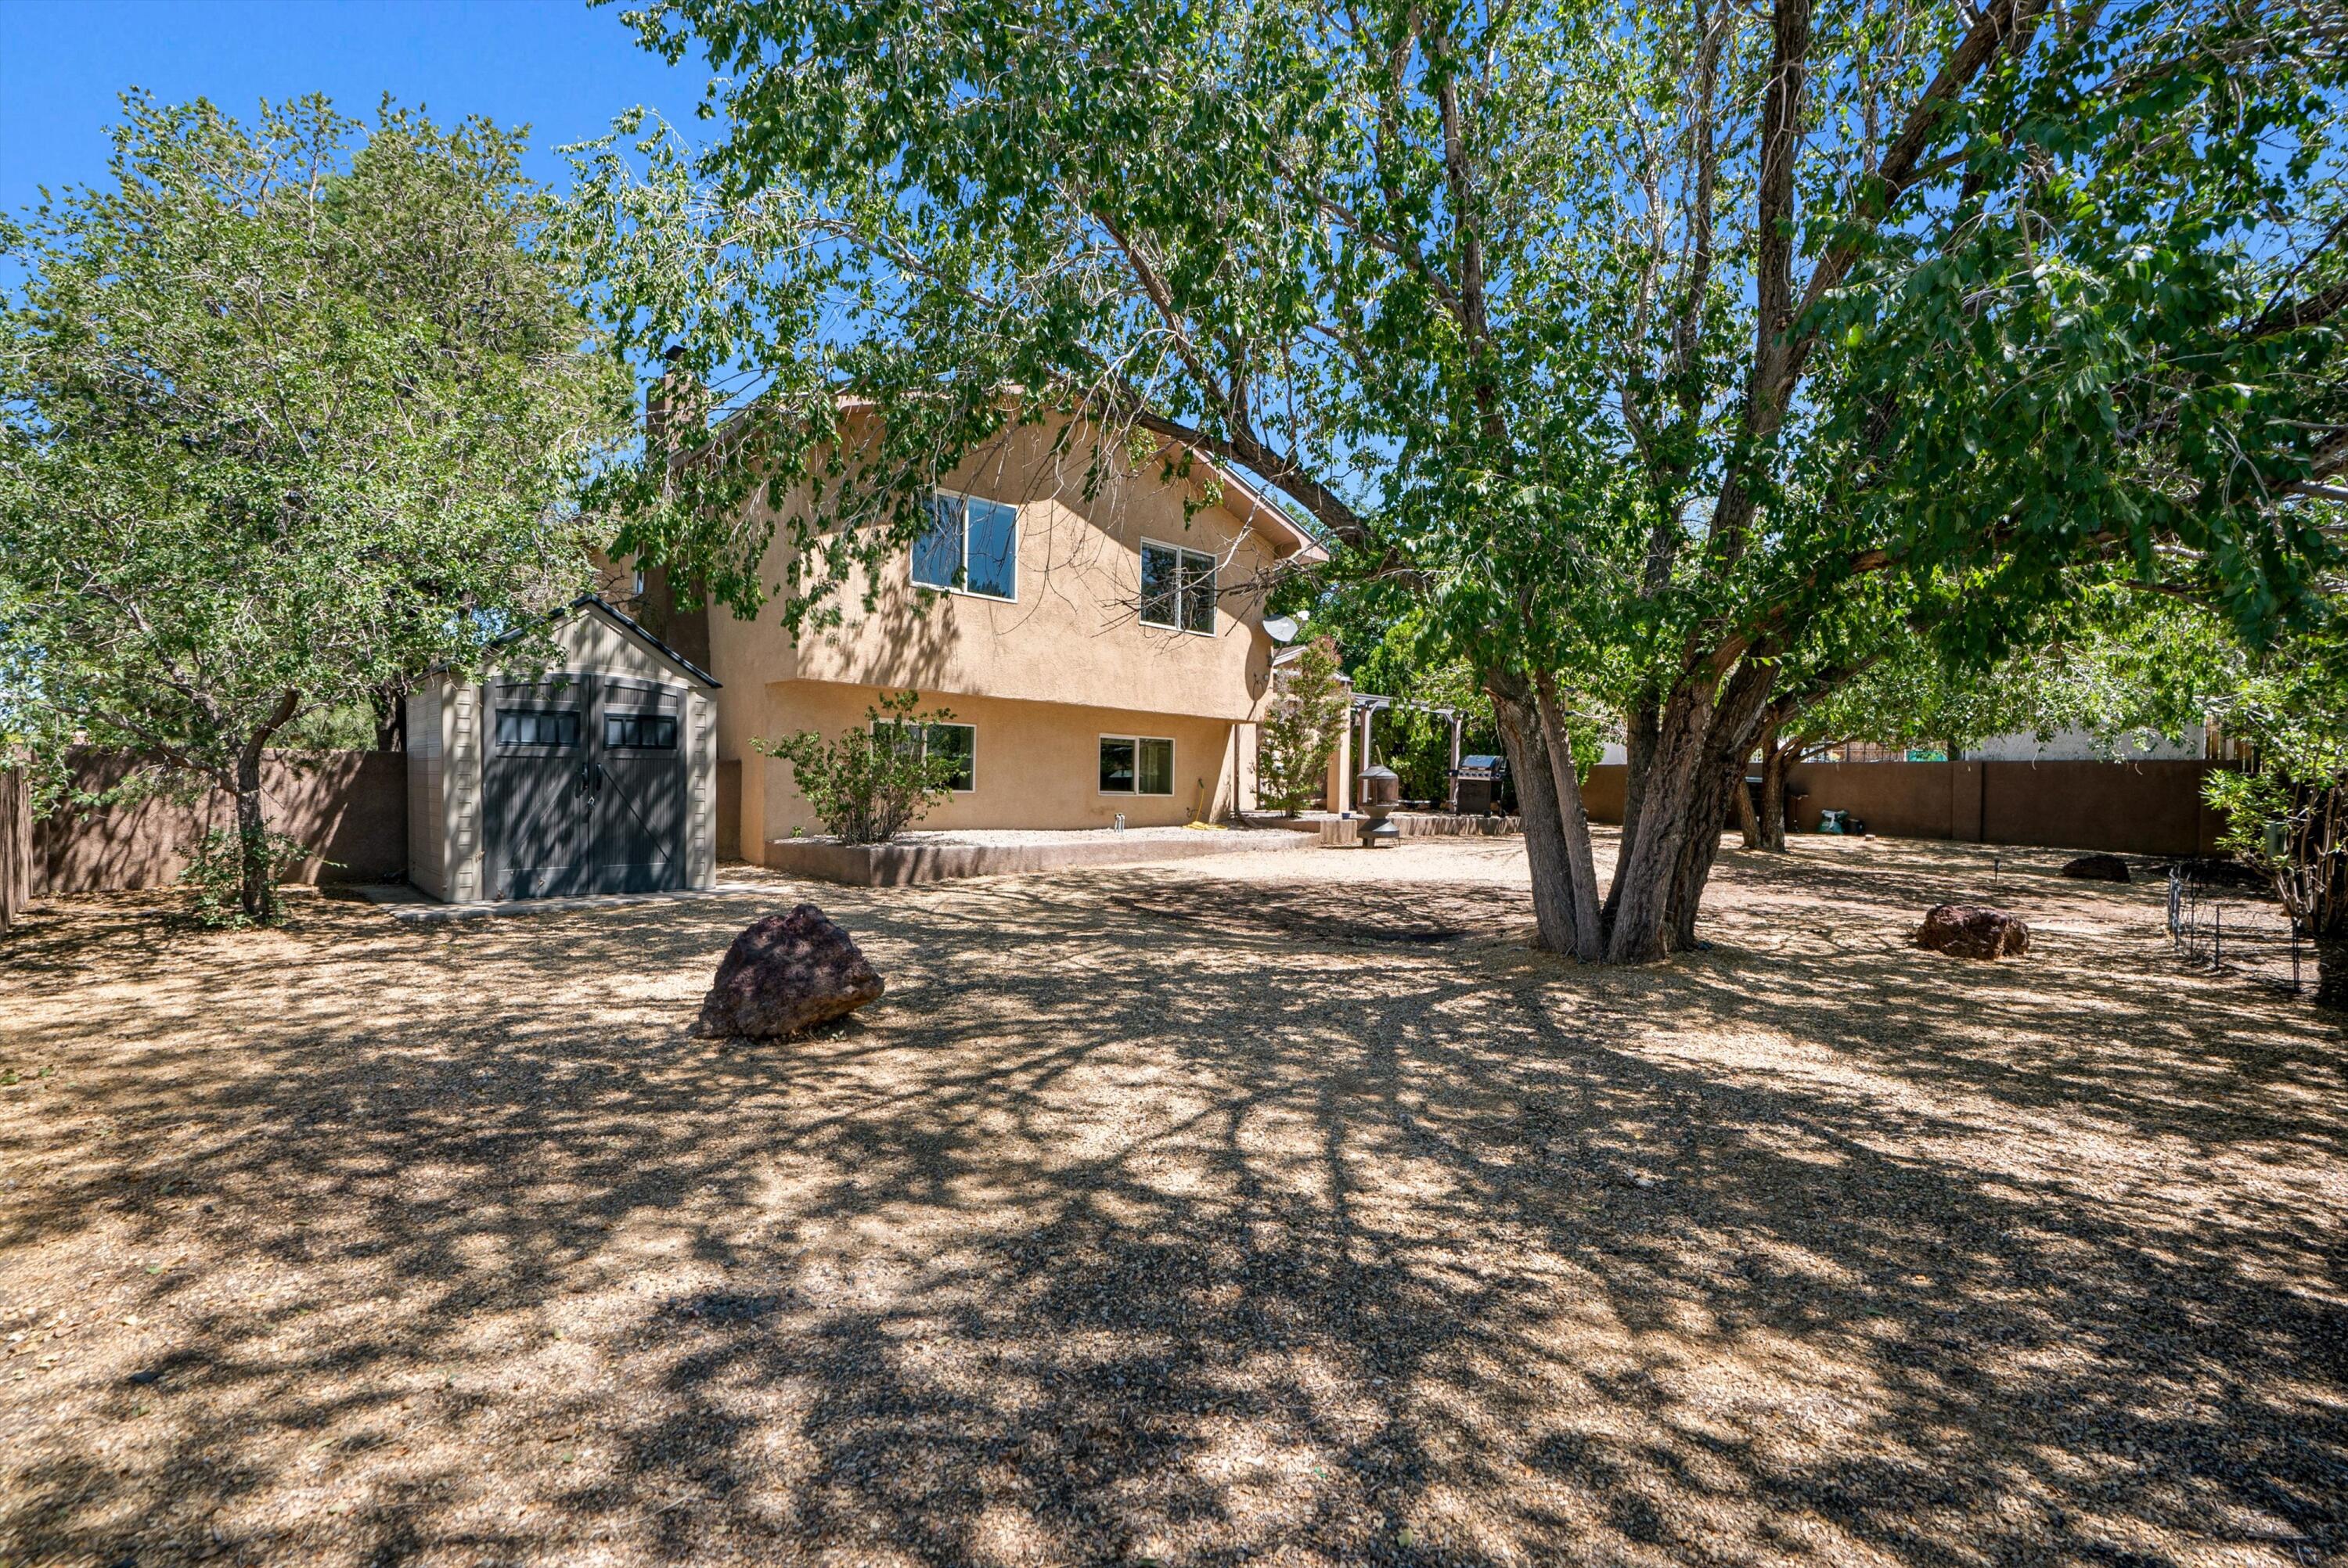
597 775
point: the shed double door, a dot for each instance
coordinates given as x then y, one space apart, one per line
583 787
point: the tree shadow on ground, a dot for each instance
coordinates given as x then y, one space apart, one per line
1172 1214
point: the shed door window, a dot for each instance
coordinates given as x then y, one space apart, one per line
639 732
1137 765
538 726
973 547
1177 588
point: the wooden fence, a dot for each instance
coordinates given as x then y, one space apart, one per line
2126 808
350 806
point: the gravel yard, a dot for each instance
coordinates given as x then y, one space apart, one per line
1269 1208
1021 836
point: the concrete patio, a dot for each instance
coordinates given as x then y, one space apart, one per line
938 857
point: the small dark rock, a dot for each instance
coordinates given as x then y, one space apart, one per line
2098 868
2215 871
784 975
1973 931
146 1379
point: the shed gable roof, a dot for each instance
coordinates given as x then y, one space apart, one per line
595 603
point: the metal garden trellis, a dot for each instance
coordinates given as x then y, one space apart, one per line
2197 927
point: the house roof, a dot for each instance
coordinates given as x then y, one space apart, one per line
1257 513
632 627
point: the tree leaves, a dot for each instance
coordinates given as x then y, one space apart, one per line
291 414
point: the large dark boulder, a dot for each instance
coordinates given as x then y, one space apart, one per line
1973 931
784 975
2098 868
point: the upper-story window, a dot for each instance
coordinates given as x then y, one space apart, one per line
973 547
1177 588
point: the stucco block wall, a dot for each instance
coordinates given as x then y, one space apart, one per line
1037 764
2126 808
350 807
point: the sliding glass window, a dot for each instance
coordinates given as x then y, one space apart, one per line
1137 765
972 547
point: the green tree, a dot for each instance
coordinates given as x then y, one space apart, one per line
1665 353
1300 734
289 414
2288 812
1908 692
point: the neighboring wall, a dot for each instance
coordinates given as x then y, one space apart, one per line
352 806
2128 808
2084 746
729 809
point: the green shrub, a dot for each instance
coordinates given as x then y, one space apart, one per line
215 870
871 784
1300 734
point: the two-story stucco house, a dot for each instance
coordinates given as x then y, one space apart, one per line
1102 655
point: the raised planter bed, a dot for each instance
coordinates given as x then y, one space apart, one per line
938 857
1443 825
1345 832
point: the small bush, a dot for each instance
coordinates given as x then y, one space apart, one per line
1300 735
873 783
215 870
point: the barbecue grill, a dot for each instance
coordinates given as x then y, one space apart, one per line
1478 782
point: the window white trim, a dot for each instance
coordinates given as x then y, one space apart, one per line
965 591
1137 792
1182 555
928 724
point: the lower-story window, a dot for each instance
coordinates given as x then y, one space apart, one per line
959 742
1137 765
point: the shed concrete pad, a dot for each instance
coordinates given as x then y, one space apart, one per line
402 902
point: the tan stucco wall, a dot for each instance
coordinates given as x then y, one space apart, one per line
1037 762
1074 634
1069 655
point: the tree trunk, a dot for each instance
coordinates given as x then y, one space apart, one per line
1775 758
1638 758
259 891
1574 820
1699 847
2332 971
1748 821
1647 868
391 706
1735 724
1545 852
259 894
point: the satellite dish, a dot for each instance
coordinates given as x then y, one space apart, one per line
1281 627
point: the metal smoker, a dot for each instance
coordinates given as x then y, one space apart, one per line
1379 790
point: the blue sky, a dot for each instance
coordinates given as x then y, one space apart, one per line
562 67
